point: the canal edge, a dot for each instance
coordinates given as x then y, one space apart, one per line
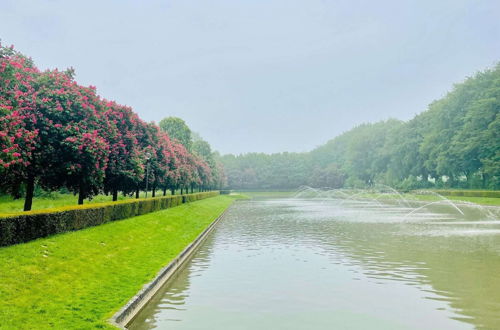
127 313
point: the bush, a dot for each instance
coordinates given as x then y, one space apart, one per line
27 226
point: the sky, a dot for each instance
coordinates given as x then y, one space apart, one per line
262 76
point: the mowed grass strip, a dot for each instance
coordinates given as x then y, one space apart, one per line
10 205
78 280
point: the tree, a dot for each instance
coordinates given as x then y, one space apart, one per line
331 177
124 169
177 130
18 136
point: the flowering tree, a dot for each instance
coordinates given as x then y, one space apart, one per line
161 157
125 168
18 135
183 168
56 133
202 175
72 129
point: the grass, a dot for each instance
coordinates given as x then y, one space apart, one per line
10 205
78 280
478 200
431 198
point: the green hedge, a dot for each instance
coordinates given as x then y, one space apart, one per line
470 193
27 226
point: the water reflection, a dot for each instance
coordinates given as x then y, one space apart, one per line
323 263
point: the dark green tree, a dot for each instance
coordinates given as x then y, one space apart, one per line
177 129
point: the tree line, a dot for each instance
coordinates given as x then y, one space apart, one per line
57 134
455 143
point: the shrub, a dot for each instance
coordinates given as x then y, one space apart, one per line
27 226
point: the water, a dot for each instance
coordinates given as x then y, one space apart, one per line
327 263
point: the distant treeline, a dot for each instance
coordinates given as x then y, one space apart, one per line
454 144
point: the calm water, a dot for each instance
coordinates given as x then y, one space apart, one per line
337 264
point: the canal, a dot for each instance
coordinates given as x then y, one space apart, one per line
338 264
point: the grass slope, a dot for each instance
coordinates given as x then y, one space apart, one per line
79 280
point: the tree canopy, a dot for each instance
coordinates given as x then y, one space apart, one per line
177 129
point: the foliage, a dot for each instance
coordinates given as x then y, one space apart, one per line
125 168
177 129
454 144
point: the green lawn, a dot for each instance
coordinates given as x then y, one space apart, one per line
478 200
80 279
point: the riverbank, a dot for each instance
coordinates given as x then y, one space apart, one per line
488 201
80 279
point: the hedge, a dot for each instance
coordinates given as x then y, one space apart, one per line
470 193
27 226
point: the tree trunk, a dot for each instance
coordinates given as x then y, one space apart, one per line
153 192
164 191
484 180
137 193
192 189
115 195
172 191
30 188
81 194
182 190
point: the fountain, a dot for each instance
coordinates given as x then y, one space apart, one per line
382 196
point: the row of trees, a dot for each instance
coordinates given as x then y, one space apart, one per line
454 144
58 134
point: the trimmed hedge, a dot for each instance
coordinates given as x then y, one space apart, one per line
27 226
470 193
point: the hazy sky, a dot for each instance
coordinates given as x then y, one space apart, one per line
254 75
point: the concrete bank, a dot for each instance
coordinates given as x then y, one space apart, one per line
125 315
